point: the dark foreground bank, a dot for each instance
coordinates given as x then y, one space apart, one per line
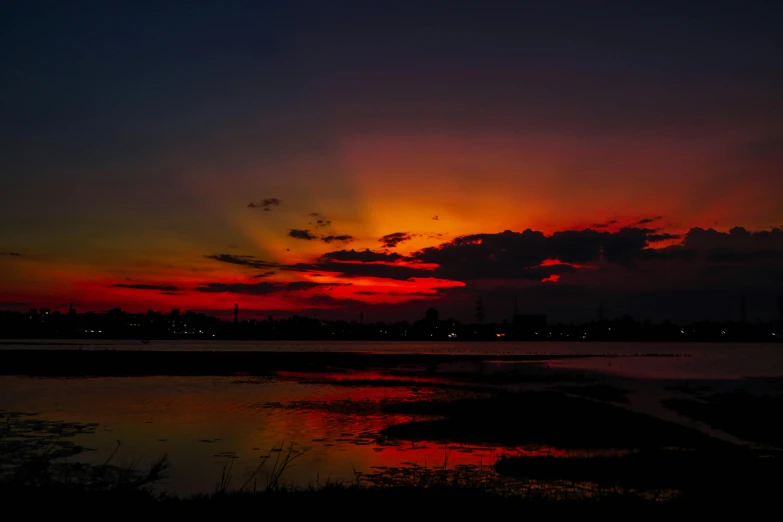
374 503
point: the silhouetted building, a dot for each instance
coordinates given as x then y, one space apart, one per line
119 324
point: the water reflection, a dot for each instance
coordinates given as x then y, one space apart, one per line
336 418
203 422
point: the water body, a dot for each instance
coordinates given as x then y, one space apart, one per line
690 360
205 424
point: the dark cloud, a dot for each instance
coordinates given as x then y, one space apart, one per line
706 274
250 261
738 245
647 221
416 294
365 256
605 225
434 218
592 264
263 288
265 274
398 272
392 240
737 238
314 214
162 288
344 238
323 223
307 235
475 255
171 293
622 247
327 265
301 234
328 300
266 204
402 273
505 255
663 236
518 255
14 254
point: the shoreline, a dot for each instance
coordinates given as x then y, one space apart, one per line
111 362
146 342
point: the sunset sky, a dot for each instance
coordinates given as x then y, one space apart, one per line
336 158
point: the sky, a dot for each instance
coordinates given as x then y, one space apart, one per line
339 158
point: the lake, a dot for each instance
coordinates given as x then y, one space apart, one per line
210 424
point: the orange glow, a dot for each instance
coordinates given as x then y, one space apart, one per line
472 182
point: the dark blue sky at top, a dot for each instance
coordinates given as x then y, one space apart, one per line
101 70
88 86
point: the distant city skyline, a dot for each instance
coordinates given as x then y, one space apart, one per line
119 324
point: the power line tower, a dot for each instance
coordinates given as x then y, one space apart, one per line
479 310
